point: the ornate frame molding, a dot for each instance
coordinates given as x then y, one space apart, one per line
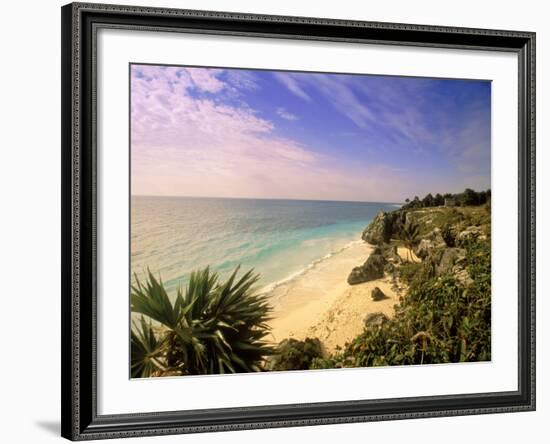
80 22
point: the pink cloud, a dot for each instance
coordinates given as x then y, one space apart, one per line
205 79
186 142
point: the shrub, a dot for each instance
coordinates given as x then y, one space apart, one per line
293 354
408 271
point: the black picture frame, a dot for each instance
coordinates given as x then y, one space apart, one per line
80 420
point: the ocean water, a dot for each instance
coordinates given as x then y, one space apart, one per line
173 236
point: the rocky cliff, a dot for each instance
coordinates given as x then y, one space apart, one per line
442 235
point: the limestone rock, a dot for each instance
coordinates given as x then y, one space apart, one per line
375 320
372 269
462 276
449 258
383 227
470 234
377 294
428 243
375 233
390 254
389 268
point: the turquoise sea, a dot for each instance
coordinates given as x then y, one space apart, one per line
173 236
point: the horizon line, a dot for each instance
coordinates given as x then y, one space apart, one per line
266 198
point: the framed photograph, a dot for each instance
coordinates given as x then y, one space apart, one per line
282 221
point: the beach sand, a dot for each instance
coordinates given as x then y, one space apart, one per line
320 303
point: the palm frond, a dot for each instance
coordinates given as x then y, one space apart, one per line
409 235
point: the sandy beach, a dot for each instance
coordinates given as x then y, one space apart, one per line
320 303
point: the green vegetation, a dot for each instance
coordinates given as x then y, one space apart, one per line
439 320
211 328
293 354
446 218
408 271
468 197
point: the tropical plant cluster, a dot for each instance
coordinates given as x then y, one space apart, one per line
212 327
441 319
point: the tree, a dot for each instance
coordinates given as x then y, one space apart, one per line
410 236
483 197
416 202
469 197
428 201
439 200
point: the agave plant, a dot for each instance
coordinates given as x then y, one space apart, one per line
146 350
212 327
409 235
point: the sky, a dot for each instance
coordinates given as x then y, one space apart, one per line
211 132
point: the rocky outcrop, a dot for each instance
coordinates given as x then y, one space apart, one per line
392 258
375 233
375 320
449 259
383 227
390 268
432 241
463 276
372 269
442 250
377 294
390 254
468 235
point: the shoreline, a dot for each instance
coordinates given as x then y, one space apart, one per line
319 303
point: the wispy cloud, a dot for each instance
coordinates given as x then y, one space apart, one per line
468 146
419 114
291 83
284 114
209 132
343 98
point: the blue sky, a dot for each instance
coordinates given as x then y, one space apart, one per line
274 134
